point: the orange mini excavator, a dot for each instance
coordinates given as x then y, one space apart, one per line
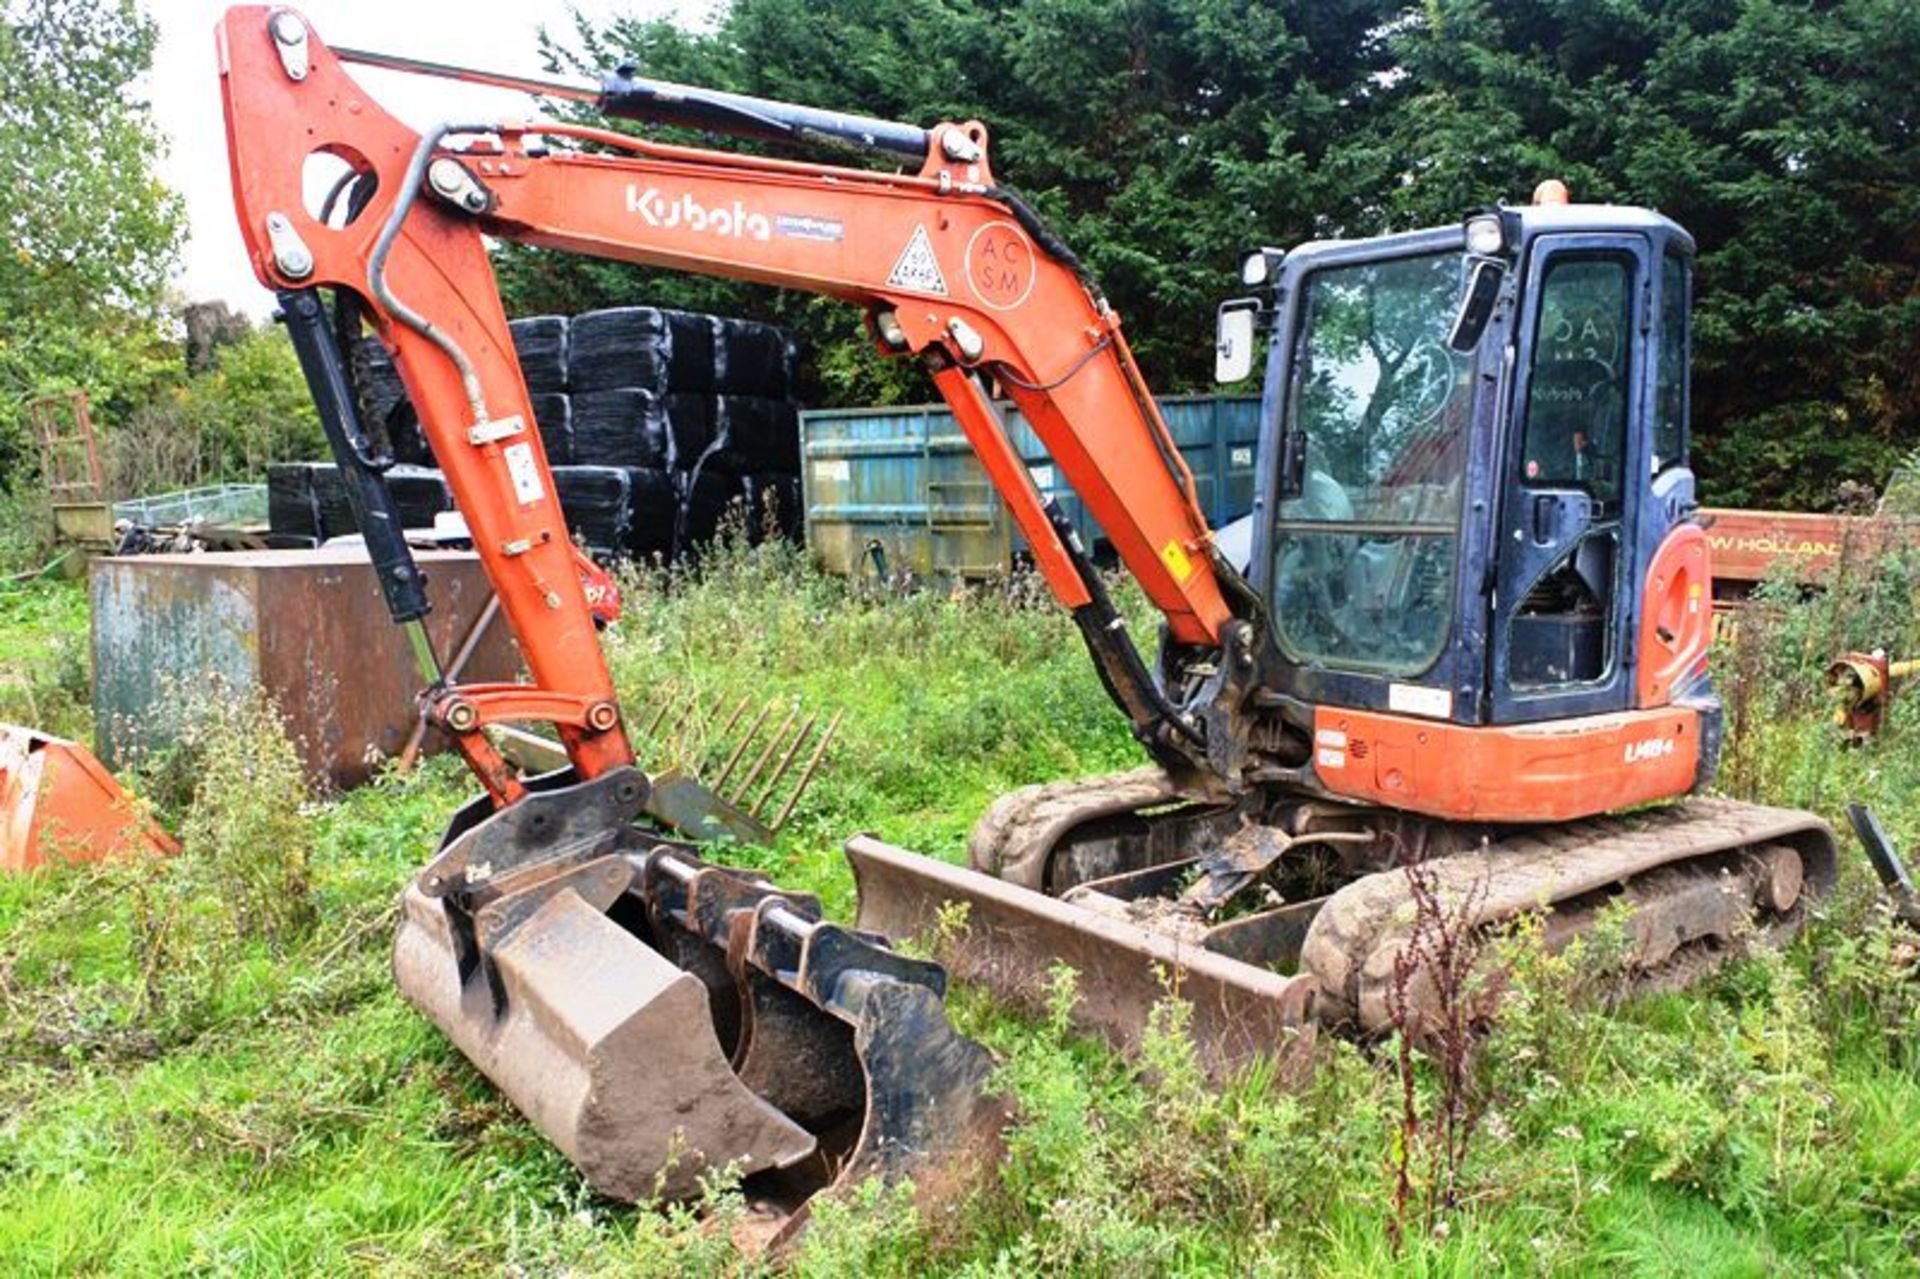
1468 620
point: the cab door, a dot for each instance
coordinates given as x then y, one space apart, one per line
1562 600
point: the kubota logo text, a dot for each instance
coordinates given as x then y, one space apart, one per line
659 210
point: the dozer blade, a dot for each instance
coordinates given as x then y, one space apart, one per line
660 1018
59 803
1009 939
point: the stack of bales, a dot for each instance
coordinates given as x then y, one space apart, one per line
654 423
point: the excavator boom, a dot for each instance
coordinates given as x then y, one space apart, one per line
1312 752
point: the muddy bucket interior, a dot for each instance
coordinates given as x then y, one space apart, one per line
660 1018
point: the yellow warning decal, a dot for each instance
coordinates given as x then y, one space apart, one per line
1176 561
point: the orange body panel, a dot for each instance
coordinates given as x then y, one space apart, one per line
1676 615
58 803
1555 771
970 288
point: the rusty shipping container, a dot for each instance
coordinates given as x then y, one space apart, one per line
307 628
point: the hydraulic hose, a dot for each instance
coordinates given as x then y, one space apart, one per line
377 265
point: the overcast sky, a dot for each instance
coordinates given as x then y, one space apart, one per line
185 92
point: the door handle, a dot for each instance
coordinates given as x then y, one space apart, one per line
1546 518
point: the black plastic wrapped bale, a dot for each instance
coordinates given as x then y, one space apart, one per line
705 498
641 346
750 358
553 413
754 434
772 507
419 494
623 427
330 499
383 403
540 342
410 447
291 508
598 504
689 428
655 512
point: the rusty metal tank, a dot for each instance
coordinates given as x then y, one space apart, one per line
305 627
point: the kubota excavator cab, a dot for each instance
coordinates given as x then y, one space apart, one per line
1485 613
1474 509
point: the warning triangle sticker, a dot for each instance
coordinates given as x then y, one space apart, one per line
917 268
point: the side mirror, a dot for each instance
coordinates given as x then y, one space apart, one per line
1476 304
1233 340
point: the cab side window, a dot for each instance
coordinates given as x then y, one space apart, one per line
1577 397
1670 372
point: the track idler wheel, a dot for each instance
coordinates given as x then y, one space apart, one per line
660 1019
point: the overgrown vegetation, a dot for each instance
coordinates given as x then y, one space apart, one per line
277 1109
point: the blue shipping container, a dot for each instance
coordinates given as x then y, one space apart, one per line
907 479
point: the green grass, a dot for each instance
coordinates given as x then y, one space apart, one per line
43 657
238 1099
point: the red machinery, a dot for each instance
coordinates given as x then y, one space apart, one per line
1475 616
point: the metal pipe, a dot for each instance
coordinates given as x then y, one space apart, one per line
377 265
806 774
577 91
746 740
786 762
626 95
773 743
798 925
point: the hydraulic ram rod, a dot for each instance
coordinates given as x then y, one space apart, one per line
634 97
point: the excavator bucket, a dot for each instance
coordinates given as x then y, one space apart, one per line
59 803
662 1019
1009 938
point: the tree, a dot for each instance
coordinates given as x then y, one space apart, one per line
91 234
1784 134
1161 137
227 422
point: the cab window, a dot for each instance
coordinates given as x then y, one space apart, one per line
1364 553
1578 393
1670 373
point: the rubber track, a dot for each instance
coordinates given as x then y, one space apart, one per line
1015 837
1350 949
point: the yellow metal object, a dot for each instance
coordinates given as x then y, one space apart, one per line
1175 558
60 804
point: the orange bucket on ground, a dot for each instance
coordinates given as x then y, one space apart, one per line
58 803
